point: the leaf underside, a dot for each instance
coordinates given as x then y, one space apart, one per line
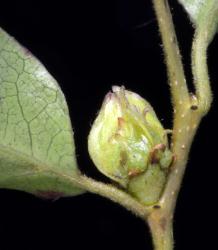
37 152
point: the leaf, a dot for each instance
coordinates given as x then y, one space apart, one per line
37 152
200 11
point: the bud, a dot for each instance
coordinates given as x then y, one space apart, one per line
128 144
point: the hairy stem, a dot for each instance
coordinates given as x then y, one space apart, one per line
161 229
188 111
181 102
205 31
114 194
200 70
177 82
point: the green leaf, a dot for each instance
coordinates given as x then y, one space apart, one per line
37 152
202 12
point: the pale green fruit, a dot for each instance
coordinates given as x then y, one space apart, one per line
127 140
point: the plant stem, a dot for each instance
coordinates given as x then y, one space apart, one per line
185 118
114 194
200 70
186 121
188 111
177 81
205 31
162 231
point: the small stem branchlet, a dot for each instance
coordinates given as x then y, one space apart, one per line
188 111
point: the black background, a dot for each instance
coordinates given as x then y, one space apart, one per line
88 46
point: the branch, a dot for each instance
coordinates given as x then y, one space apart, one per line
175 70
204 33
112 193
188 111
187 114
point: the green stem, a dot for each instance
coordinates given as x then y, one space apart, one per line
187 117
177 81
205 31
200 70
188 111
112 193
162 232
